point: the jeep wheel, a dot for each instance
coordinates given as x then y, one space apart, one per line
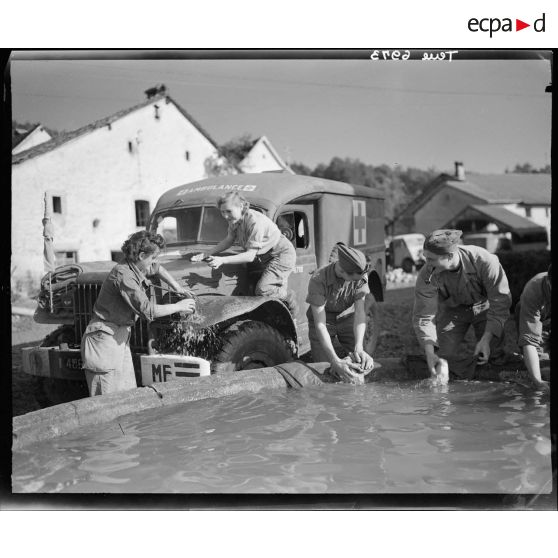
53 391
407 265
248 345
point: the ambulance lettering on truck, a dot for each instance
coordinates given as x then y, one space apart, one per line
247 331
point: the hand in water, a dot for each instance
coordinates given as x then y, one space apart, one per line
431 361
347 372
441 376
482 352
541 385
364 360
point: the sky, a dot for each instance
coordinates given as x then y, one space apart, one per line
489 114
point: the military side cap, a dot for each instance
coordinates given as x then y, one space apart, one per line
442 241
351 260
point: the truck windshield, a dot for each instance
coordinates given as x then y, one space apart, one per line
190 225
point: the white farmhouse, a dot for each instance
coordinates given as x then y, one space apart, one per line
263 157
102 181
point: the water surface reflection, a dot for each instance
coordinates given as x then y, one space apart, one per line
469 438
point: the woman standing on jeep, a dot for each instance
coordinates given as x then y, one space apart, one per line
105 348
262 242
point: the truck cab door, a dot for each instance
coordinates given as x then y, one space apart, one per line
296 222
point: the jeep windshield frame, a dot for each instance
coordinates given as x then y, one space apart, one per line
195 224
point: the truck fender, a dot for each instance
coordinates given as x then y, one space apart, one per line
375 286
214 309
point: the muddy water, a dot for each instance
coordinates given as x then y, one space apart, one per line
474 438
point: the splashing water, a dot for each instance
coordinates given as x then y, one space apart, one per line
186 337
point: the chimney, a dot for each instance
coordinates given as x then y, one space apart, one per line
459 170
158 89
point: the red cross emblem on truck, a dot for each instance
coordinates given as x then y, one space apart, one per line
359 222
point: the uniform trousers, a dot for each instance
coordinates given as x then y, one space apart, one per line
452 324
107 359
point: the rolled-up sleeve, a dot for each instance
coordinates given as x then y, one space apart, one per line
316 291
255 237
135 297
498 294
530 324
424 310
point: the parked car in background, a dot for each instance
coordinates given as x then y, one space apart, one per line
406 251
509 241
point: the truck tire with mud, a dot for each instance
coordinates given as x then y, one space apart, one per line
53 391
251 344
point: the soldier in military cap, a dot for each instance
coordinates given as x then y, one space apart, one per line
332 292
460 286
533 319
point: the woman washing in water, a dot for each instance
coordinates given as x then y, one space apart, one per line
105 347
262 242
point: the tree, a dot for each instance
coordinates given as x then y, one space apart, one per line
527 168
398 185
236 149
301 168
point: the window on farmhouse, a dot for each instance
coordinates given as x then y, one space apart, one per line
142 213
56 204
528 212
65 257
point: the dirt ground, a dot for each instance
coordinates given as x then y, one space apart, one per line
396 339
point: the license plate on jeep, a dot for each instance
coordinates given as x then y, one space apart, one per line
68 364
71 363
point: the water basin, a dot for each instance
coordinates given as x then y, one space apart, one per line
471 437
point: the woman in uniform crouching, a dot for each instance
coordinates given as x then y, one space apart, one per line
262 242
105 346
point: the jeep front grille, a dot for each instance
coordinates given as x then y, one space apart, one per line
85 296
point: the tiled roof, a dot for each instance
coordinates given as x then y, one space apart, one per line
530 189
504 217
63 138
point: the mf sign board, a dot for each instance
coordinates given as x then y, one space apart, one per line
359 222
164 368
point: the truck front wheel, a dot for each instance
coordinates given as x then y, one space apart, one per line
251 344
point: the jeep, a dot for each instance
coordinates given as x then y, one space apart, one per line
238 330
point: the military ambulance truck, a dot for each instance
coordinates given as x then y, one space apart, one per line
247 331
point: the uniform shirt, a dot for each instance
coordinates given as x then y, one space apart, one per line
480 278
255 231
123 295
325 288
534 313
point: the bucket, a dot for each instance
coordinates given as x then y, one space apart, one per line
165 368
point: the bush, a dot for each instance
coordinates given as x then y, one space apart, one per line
521 266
